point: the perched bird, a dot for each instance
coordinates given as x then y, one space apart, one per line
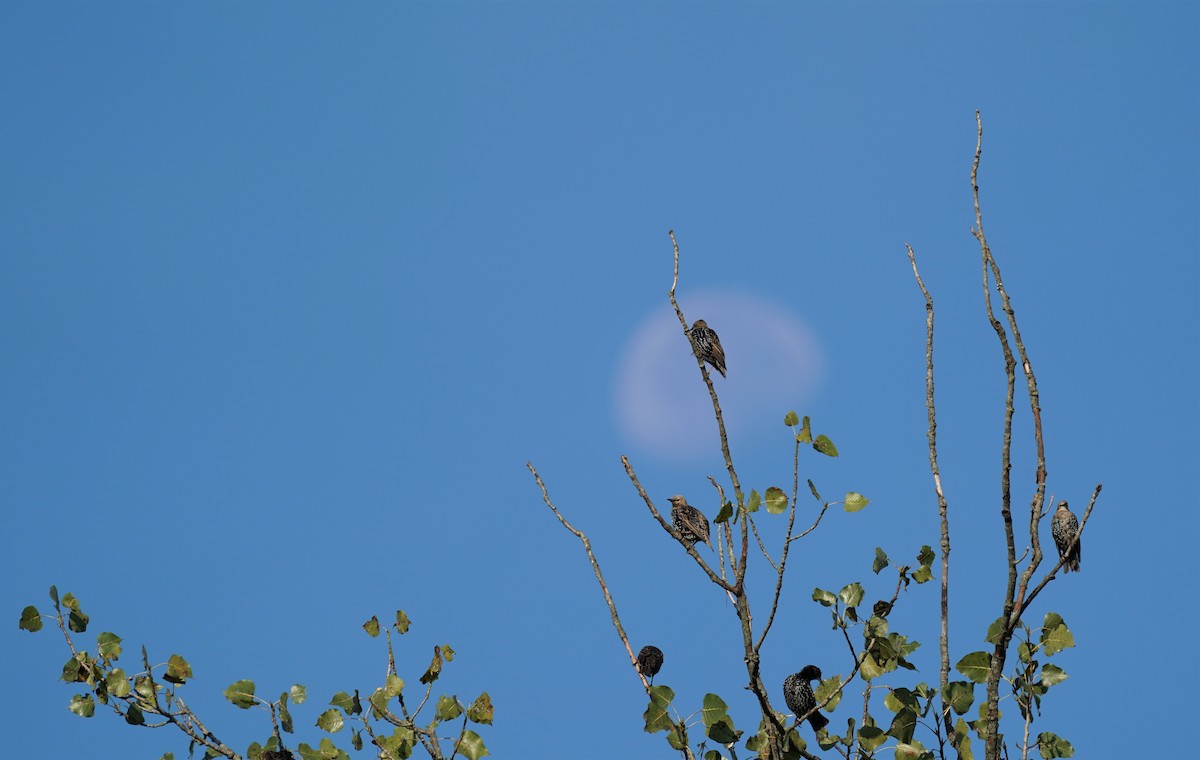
799 695
707 346
1063 527
689 521
650 661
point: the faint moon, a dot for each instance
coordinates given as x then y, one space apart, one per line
774 364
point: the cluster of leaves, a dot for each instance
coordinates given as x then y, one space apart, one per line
1030 681
142 694
882 651
714 715
718 727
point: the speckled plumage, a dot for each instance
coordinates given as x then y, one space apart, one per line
1064 526
707 346
800 698
650 661
689 521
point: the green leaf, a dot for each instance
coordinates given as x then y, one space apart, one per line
899 698
852 594
828 687
791 419
805 434
285 717
813 488
343 701
447 708
675 738
1050 745
995 630
962 740
724 513
378 702
77 621
877 627
871 669
870 737
134 717
722 731
326 751
470 745
330 721
118 683
1052 674
960 695
481 710
298 694
447 653
903 725
31 619
855 501
777 501
402 621
83 705
372 626
881 561
823 597
435 667
1025 651
975 666
393 685
656 716
753 502
926 556
825 446
108 645
1057 640
178 670
144 688
241 694
714 709
71 672
922 574
914 751
54 595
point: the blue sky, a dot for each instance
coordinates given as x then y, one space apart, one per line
291 294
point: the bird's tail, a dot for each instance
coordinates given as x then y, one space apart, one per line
818 721
1072 563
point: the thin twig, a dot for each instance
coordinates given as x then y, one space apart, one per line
931 413
787 542
587 546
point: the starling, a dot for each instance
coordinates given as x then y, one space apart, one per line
689 521
799 695
1063 527
707 346
650 661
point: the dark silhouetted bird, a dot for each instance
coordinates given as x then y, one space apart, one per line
689 521
1063 527
799 695
707 345
650 661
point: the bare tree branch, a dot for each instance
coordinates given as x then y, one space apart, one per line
587 547
931 413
